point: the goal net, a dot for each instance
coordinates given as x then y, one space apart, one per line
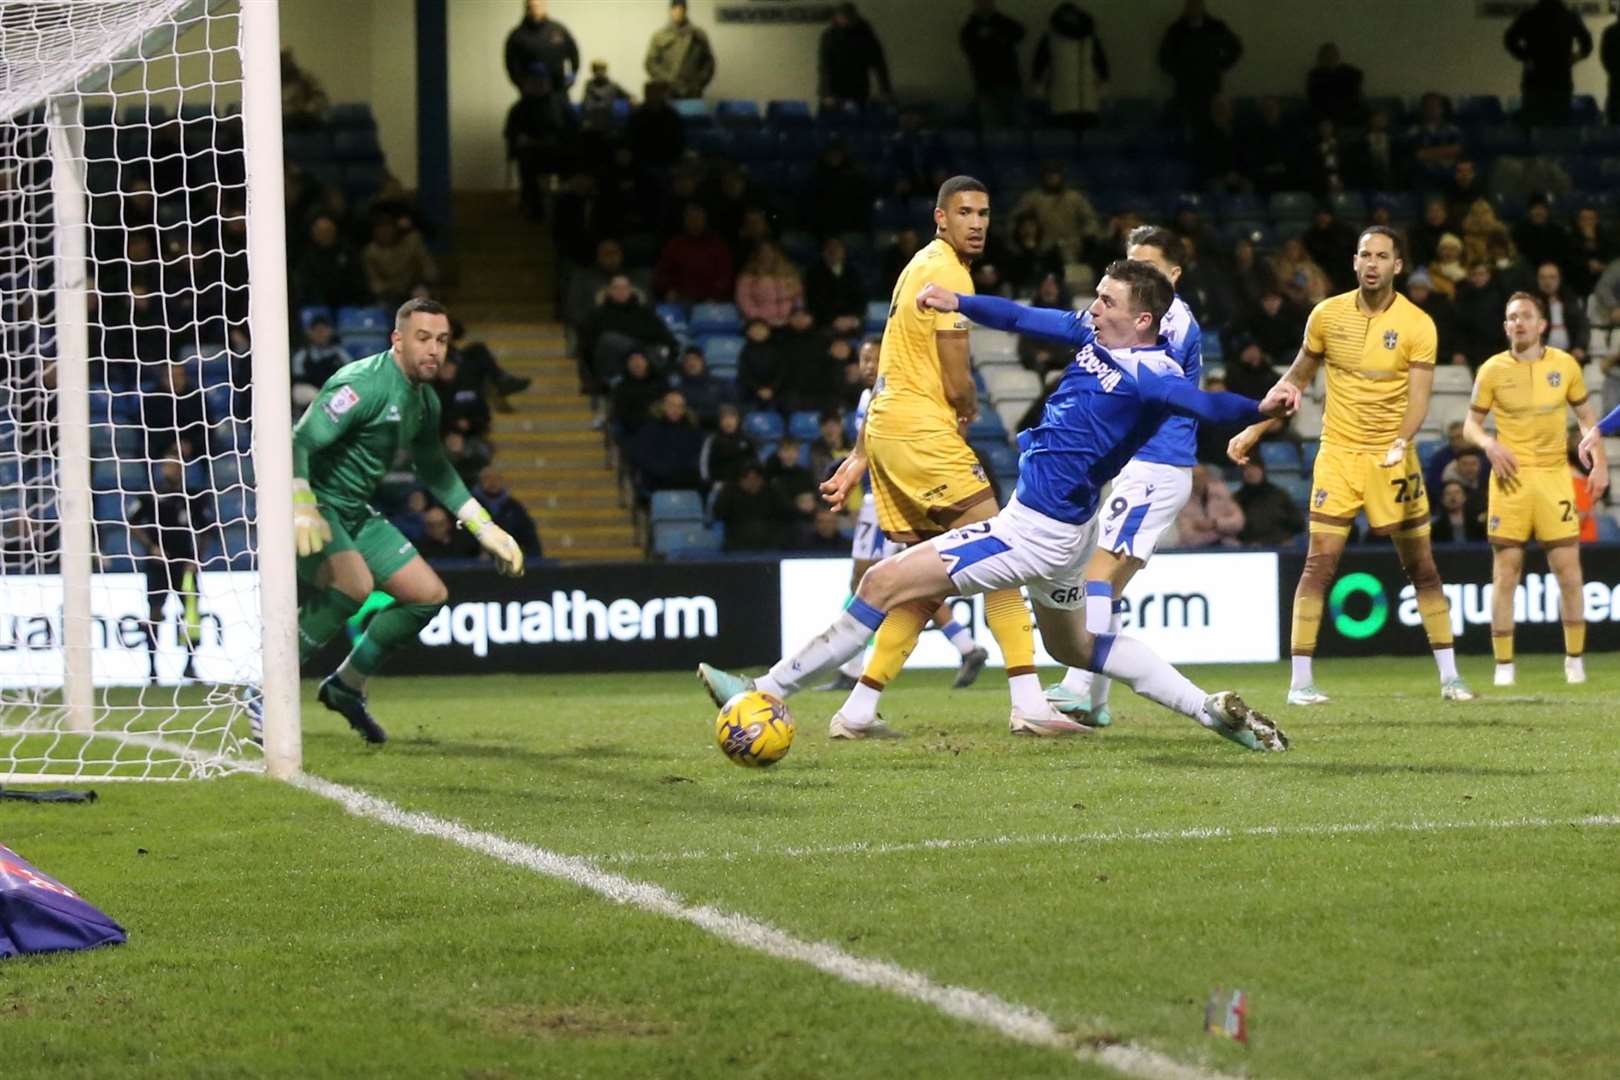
132 626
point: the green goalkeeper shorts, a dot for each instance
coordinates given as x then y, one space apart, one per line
383 547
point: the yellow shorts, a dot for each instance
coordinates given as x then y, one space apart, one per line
1345 481
922 486
1540 504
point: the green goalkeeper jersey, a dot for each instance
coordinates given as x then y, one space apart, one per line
351 435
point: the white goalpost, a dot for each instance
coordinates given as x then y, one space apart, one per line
147 603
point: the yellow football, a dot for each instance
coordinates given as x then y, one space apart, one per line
754 729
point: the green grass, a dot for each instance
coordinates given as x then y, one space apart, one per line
272 934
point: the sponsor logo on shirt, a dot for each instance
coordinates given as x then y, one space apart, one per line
1106 374
393 415
341 401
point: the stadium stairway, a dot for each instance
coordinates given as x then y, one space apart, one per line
553 460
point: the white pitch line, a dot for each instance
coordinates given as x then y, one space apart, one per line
1214 832
1017 1022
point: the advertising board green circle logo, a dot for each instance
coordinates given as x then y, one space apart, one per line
1364 626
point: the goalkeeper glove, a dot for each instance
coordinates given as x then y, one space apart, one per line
1395 454
492 538
310 530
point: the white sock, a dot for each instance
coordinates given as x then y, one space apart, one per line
1446 660
1302 673
1078 679
1150 675
845 638
1026 694
348 676
860 708
1100 685
855 665
960 636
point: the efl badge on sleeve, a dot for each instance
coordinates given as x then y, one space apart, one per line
40 914
342 400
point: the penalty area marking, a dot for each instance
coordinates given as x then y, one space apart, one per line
1018 1022
1215 832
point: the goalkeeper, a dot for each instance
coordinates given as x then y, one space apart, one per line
346 441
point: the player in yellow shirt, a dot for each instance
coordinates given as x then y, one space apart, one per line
926 480
1532 491
1379 349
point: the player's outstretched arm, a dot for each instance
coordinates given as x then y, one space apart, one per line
998 314
1179 396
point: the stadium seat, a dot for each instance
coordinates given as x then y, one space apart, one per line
359 345
1479 110
804 425
1427 448
738 113
674 316
764 426
1298 487
756 146
877 314
1280 456
1212 352
785 115
363 320
686 539
987 428
1239 205
1292 206
1584 110
1349 206
711 142
714 319
307 147
1452 379
721 351
694 112
1402 205
1000 456
675 506
309 314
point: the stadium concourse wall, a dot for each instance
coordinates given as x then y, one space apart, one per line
1194 607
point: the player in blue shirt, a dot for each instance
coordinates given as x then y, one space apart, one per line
1109 403
1149 492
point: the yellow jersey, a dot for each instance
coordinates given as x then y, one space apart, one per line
1367 361
909 400
1529 398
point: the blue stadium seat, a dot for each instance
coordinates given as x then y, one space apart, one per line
987 428
687 539
1479 110
674 316
1350 206
888 214
1310 449
788 115
764 426
359 345
676 506
712 142
738 112
1292 206
1211 352
238 547
1279 456
107 506
804 425
309 314
714 319
1001 457
1608 528
1402 205
751 146
372 319
1297 486
877 314
694 112
721 351
361 180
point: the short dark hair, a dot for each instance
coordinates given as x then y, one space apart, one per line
1383 230
418 305
872 339
1541 309
956 185
1155 236
1150 289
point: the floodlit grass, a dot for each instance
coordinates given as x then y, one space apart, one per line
1405 893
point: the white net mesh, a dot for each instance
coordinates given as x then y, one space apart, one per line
146 95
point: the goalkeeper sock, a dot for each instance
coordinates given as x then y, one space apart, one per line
845 638
319 620
377 601
389 630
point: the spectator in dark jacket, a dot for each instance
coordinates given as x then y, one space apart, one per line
850 57
834 291
174 416
1549 40
1421 291
320 357
541 133
329 271
1331 243
1539 238
1479 304
619 325
667 449
811 374
728 449
634 395
442 540
704 392
1333 88
1197 50
1029 258
695 265
841 197
1249 373
654 131
1270 517
1070 62
822 534
505 510
1567 324
1273 153
761 375
990 41
540 52
1459 516
600 99
788 479
745 507
1277 327
1610 50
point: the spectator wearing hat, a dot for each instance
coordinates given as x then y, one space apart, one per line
1071 64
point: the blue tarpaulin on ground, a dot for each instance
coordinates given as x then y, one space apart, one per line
40 914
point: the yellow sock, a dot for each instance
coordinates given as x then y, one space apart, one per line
1574 638
895 640
1009 620
1307 622
1436 612
1502 646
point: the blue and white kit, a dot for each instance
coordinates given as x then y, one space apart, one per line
1154 485
1107 407
871 544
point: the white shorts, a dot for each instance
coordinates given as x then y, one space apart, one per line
1145 500
871 544
1021 547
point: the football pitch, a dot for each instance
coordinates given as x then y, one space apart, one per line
562 876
